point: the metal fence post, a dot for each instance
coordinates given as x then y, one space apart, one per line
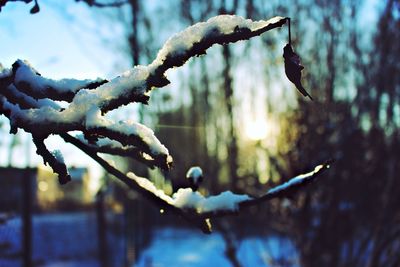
27 218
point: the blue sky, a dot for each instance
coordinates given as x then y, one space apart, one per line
67 40
56 41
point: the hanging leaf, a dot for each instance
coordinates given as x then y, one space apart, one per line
293 69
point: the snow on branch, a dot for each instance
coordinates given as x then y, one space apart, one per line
113 147
54 159
195 40
29 101
194 207
29 81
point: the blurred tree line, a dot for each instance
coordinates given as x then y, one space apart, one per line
350 50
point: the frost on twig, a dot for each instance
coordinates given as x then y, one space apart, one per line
29 101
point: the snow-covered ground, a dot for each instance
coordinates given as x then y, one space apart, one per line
68 239
178 247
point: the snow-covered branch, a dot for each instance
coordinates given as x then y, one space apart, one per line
30 82
29 101
89 100
194 207
54 159
113 147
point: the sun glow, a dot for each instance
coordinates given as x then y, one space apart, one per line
257 129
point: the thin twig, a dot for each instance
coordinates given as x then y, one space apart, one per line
290 35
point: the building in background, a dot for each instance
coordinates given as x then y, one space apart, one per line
47 193
11 187
75 194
